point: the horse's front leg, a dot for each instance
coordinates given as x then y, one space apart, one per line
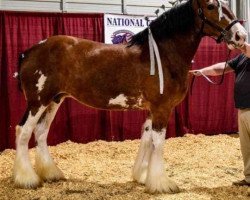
140 168
157 180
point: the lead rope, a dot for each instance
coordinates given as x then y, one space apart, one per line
223 73
208 79
154 52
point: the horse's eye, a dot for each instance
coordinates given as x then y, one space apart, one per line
210 7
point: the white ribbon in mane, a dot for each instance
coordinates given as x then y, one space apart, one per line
154 52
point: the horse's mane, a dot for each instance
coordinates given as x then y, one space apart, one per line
178 19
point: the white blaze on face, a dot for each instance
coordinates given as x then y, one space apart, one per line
220 10
220 2
224 1
41 82
119 100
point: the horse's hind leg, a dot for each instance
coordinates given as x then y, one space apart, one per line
24 174
140 168
44 164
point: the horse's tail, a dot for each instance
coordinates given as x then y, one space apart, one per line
21 58
17 74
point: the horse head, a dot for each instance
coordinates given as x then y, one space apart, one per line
215 19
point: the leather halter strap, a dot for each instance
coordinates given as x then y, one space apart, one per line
222 31
223 34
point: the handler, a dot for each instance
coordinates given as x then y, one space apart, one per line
241 66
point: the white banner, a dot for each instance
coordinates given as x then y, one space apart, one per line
120 28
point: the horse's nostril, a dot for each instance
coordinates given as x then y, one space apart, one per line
237 37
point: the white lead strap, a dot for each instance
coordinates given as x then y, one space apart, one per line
154 52
208 79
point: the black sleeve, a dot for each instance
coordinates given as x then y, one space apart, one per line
234 62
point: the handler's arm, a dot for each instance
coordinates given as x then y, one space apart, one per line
213 70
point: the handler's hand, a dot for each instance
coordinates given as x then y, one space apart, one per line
195 72
245 49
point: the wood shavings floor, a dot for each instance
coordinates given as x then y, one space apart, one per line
202 166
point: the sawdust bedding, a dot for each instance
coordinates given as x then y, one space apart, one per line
202 166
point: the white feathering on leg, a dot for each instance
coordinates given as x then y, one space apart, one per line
157 180
45 165
140 168
24 174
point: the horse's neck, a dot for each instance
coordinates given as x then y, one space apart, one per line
180 48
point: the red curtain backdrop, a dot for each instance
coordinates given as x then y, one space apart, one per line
209 110
211 107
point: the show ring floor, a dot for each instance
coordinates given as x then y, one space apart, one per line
204 167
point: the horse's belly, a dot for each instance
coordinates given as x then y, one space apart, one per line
107 89
112 102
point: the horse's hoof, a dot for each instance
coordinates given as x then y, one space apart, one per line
162 185
140 176
28 182
54 178
50 173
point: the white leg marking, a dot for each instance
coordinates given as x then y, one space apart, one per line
220 10
24 174
45 166
140 168
157 180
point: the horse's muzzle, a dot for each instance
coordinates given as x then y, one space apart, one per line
237 37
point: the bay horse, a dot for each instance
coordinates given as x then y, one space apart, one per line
117 77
